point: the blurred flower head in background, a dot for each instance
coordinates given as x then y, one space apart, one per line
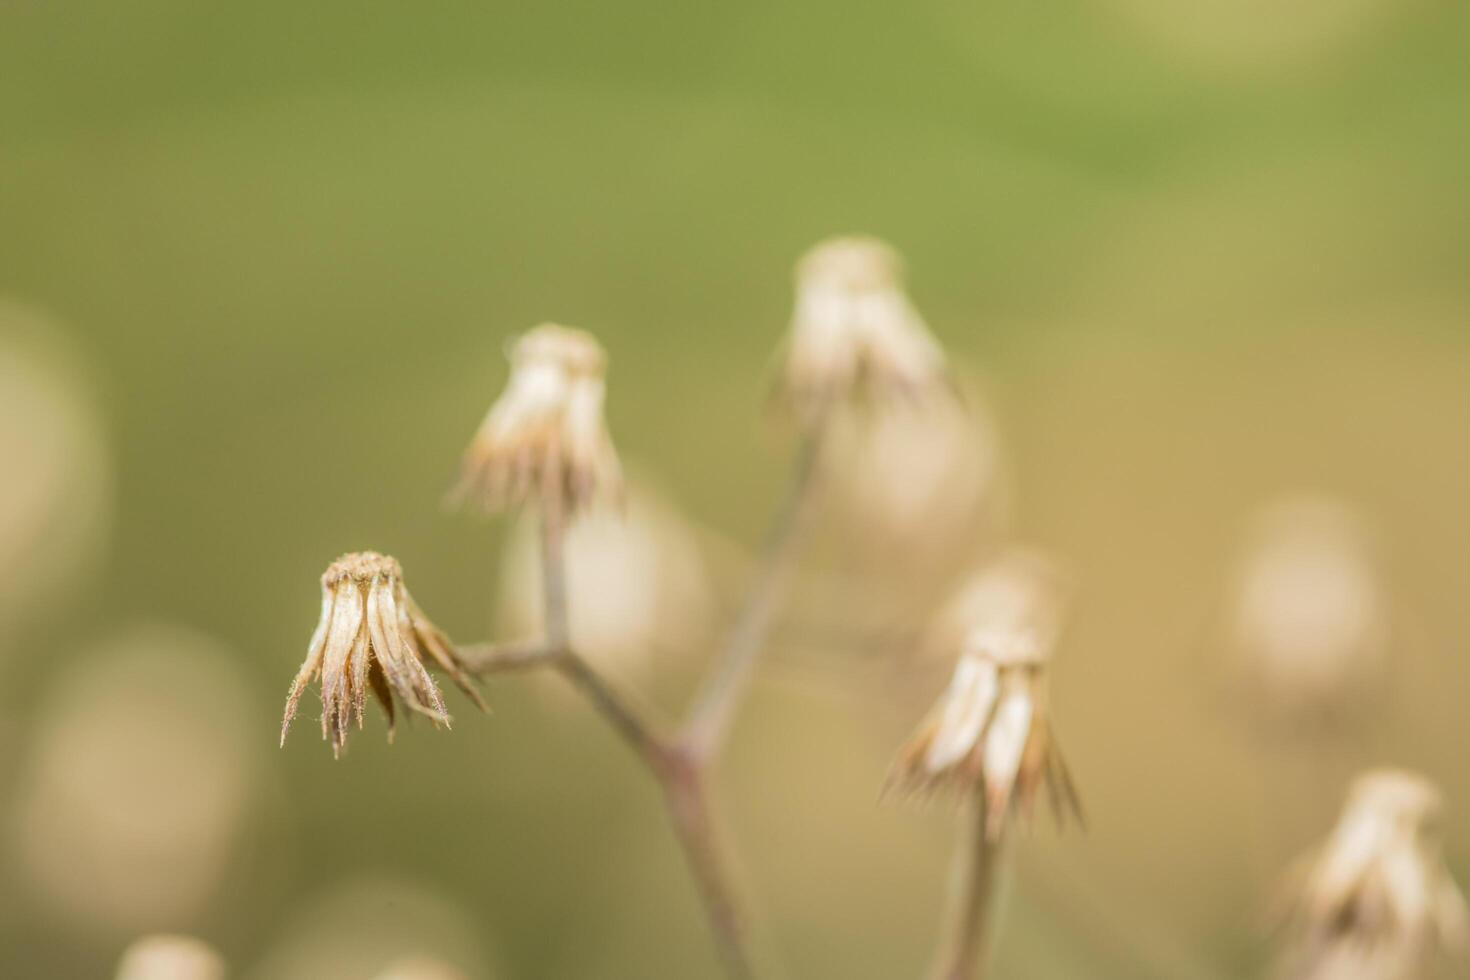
1376 901
372 634
919 485
854 331
1310 622
1018 597
56 495
638 575
139 782
166 957
546 433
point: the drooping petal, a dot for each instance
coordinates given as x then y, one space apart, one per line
438 646
966 707
383 693
1005 744
358 664
397 660
347 614
312 664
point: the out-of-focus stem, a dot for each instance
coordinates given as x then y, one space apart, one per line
694 825
966 950
714 707
679 776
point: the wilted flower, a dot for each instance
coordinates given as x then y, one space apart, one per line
546 433
854 330
1311 618
372 633
1376 900
165 957
991 731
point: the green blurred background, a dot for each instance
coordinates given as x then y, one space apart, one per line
1197 252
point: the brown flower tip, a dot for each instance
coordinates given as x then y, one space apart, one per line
373 635
854 330
1376 899
545 437
991 732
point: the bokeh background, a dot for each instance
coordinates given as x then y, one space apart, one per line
259 263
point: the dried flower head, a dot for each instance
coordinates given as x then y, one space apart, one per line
854 330
167 957
1376 899
1310 618
991 731
372 634
546 434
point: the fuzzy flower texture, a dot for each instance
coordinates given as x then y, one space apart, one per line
545 439
1376 900
991 732
854 331
372 634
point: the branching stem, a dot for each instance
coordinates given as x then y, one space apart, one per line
714 708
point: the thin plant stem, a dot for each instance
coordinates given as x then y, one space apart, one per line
714 706
966 951
679 776
500 658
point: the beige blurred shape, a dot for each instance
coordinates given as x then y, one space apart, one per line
381 928
1376 899
917 483
1310 615
1021 592
637 581
168 957
56 495
137 785
419 968
1253 38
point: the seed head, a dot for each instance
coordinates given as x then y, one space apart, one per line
991 732
854 330
372 634
546 434
1377 893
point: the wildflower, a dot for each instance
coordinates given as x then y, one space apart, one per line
372 633
1310 618
991 731
1376 900
854 330
546 434
165 957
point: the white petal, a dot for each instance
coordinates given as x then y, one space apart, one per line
967 706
